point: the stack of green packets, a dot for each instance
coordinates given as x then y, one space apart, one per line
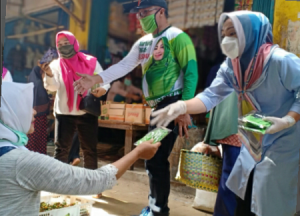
158 134
254 122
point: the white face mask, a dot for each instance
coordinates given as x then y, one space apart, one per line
230 47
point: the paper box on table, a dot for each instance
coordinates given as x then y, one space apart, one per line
115 105
147 115
120 118
116 112
104 109
116 109
135 113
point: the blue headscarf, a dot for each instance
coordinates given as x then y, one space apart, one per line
253 30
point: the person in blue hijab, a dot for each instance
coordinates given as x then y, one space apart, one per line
266 79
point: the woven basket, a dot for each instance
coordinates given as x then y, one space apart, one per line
200 171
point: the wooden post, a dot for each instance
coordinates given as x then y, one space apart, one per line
128 143
62 6
41 21
99 26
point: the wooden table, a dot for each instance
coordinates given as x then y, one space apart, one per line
129 135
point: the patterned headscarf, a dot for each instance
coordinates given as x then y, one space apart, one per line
256 47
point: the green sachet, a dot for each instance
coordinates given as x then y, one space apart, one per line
158 134
255 123
260 131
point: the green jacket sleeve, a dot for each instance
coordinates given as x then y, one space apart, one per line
185 53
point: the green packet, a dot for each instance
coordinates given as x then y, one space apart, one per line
260 131
158 134
254 122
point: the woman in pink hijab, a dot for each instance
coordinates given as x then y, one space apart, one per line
6 76
59 78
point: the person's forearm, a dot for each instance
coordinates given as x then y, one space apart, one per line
294 115
98 79
136 90
48 72
131 96
195 106
68 180
125 66
126 162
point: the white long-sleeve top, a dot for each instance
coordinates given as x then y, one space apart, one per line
8 77
56 84
23 174
141 53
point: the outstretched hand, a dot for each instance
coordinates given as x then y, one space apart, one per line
45 68
148 149
279 124
84 83
183 122
166 115
99 92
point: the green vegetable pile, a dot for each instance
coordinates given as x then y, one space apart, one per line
47 207
158 134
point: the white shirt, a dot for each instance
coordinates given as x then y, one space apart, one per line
56 83
8 77
140 53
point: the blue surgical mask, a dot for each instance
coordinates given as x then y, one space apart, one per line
22 138
127 82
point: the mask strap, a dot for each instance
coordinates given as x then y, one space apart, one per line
22 138
155 20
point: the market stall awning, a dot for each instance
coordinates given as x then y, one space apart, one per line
17 8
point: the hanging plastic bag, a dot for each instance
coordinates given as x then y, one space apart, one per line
158 134
207 149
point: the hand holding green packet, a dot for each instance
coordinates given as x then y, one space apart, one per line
158 134
254 122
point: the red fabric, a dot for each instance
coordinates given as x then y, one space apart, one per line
4 72
253 72
232 140
132 22
80 63
37 141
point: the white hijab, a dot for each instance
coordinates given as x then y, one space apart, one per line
15 111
